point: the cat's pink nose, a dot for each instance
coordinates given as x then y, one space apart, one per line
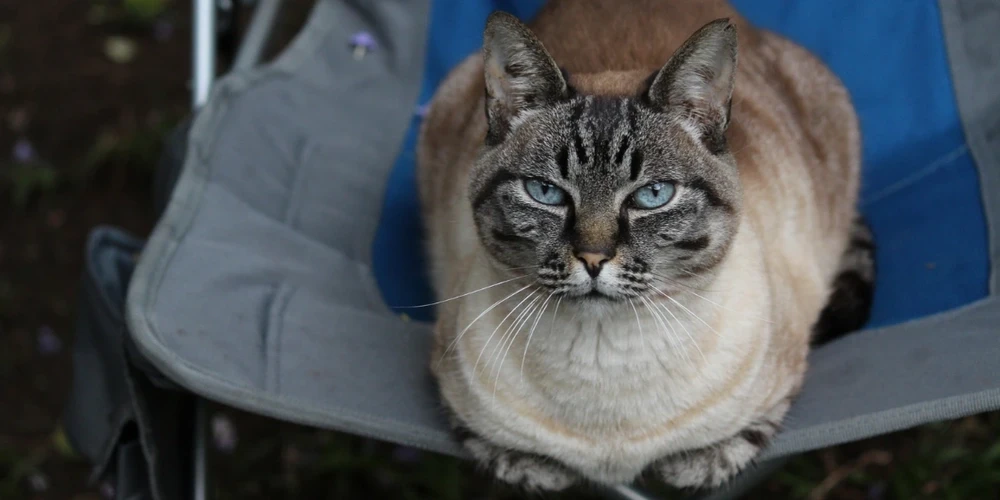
593 262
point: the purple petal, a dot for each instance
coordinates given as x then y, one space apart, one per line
48 342
38 482
23 151
223 434
877 491
363 39
107 491
406 454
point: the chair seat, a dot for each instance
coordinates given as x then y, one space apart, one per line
294 222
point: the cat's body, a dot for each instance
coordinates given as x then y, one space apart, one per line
549 386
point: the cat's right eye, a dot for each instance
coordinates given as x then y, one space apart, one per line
545 193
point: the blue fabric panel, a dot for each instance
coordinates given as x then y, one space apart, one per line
400 267
920 189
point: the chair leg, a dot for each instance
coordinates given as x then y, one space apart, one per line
254 42
203 45
200 451
628 493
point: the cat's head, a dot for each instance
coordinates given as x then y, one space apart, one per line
607 197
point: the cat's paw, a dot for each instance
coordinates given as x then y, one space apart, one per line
714 465
707 467
525 470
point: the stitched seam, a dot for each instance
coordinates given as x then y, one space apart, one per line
920 174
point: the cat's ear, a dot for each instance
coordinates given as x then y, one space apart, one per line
520 74
698 79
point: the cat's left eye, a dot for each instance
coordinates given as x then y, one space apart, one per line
653 195
545 193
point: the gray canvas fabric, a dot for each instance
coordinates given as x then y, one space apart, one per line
256 288
133 426
970 28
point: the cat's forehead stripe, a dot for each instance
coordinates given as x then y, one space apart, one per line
603 130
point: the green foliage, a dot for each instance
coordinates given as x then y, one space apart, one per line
949 460
137 150
6 35
131 13
14 469
28 179
144 11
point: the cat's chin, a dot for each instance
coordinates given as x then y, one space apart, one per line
597 298
596 295
596 305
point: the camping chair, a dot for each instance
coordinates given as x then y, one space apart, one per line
290 225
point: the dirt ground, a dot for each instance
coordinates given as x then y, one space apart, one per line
87 91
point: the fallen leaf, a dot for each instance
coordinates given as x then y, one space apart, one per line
120 49
61 443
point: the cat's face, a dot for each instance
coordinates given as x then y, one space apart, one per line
604 197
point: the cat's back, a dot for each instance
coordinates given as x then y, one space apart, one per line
611 35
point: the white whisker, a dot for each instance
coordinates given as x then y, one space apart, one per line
523 315
678 283
535 324
642 336
724 308
555 314
519 268
485 312
513 337
481 351
464 294
686 331
662 320
695 316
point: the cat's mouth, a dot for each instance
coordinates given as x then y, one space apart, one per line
595 294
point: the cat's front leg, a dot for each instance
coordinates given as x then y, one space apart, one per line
529 471
714 465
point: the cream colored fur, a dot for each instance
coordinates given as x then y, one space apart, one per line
609 392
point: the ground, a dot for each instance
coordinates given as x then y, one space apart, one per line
87 91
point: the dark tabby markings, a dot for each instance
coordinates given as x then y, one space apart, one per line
711 196
513 69
577 112
604 145
496 128
714 139
562 159
491 186
624 228
581 152
714 465
636 164
499 460
863 242
755 437
850 302
508 237
694 245
620 155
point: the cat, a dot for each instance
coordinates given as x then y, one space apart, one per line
639 228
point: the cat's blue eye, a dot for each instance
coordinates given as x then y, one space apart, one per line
653 195
543 192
